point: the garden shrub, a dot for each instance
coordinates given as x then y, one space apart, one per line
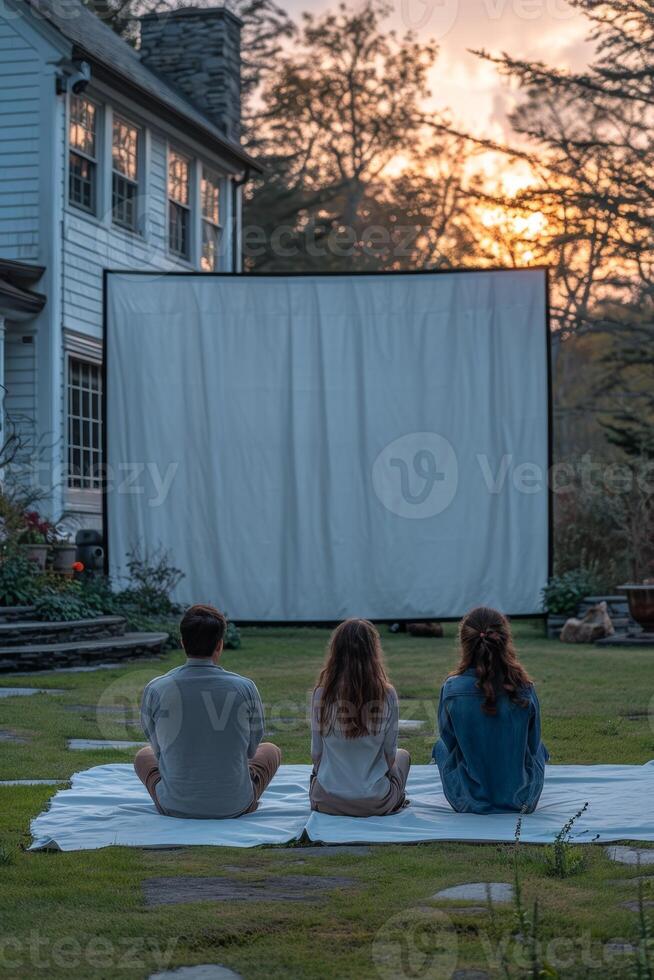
563 593
62 605
20 579
145 605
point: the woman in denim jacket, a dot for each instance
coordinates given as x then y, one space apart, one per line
489 754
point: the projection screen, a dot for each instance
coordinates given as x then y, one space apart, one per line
311 447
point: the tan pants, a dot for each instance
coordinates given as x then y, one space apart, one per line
394 800
263 766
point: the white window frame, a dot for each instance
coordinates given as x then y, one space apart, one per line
191 208
97 161
217 227
78 347
137 227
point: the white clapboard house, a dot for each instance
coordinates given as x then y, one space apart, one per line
110 157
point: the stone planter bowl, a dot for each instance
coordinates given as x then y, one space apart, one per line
37 553
641 604
64 556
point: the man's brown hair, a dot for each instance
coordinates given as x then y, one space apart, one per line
202 628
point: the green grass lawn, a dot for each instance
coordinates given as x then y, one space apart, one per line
83 914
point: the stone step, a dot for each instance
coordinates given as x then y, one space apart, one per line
635 639
49 656
11 614
32 632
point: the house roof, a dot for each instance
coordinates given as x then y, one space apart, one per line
112 58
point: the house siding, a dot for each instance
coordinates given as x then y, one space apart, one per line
38 225
19 146
20 385
92 245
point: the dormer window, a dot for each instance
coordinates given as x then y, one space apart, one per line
210 220
125 173
83 154
179 211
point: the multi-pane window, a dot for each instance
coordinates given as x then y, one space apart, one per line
84 425
125 172
210 194
179 214
82 166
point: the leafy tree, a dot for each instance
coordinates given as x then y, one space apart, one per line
343 131
587 139
629 379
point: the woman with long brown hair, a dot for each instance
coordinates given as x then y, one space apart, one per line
358 769
490 754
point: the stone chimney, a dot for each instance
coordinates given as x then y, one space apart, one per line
197 50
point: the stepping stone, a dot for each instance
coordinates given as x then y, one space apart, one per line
631 855
207 971
287 888
83 669
633 906
408 725
331 850
500 892
617 946
32 782
6 736
622 882
91 744
25 692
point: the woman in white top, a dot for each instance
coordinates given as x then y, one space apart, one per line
358 770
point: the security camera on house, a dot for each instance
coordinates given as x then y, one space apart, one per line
77 81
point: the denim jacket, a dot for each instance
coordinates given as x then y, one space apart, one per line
489 763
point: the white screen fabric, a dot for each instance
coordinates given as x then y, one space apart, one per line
308 448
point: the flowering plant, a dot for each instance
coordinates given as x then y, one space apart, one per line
36 530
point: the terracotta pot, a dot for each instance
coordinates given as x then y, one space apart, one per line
64 556
36 553
641 604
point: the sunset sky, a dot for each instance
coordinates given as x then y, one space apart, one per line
547 30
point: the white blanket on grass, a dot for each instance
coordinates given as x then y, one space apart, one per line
107 805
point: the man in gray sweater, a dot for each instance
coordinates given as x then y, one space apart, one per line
204 724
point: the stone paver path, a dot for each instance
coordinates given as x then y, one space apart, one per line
631 855
500 892
406 726
633 906
182 890
25 692
205 971
622 882
32 782
85 669
616 947
86 744
7 736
